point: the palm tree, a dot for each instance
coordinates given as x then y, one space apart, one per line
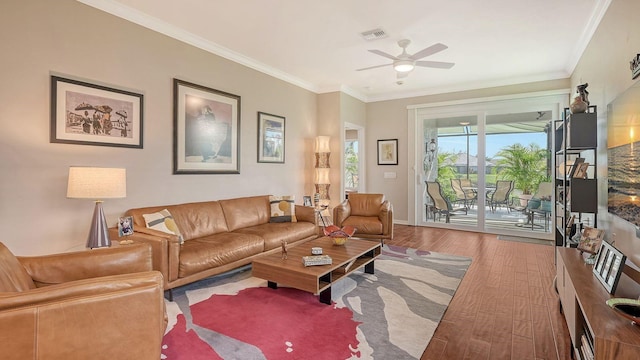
526 166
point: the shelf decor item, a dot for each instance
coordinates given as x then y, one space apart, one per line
608 266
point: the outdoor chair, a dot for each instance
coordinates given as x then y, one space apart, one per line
533 207
440 205
465 196
500 196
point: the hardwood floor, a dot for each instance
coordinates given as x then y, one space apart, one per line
506 306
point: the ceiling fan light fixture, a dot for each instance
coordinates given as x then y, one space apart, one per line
403 65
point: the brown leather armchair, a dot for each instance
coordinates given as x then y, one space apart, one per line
370 214
98 304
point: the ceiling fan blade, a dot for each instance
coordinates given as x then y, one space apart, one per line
435 48
435 64
382 53
374 67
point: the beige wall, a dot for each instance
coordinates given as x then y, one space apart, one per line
389 120
605 66
40 37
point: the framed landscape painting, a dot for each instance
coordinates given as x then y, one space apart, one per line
206 130
270 138
89 114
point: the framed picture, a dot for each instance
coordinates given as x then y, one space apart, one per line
388 152
306 200
206 130
125 226
608 266
90 114
590 240
270 138
581 170
575 166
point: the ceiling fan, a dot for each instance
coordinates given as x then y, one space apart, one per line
405 63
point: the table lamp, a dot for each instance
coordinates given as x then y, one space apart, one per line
97 184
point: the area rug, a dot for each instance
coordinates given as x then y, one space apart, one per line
391 314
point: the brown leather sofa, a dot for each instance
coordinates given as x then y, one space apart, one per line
98 304
218 236
370 214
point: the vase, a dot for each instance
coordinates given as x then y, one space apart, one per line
578 106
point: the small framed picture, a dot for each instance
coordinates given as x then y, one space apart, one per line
388 152
91 114
608 266
581 171
590 240
270 138
125 226
306 201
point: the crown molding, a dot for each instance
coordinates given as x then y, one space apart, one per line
594 20
137 17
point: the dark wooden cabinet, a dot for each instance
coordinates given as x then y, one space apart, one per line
576 138
591 322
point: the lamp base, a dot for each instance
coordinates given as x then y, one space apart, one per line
323 190
99 232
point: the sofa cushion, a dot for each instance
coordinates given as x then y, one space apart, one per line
245 212
283 209
162 221
13 276
211 251
273 233
365 204
364 224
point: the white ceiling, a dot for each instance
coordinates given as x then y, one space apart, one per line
317 44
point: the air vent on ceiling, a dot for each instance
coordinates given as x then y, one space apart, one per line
374 34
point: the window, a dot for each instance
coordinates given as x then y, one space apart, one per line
351 165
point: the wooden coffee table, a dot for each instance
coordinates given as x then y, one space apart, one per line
317 279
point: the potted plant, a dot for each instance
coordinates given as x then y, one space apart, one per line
525 165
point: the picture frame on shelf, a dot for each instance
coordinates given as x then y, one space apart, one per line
574 167
581 171
388 152
271 138
590 239
206 130
125 226
608 266
306 200
85 113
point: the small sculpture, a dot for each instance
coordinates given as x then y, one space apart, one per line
581 102
584 94
284 249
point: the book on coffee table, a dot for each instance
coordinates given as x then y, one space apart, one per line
317 260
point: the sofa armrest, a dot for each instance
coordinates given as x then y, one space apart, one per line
58 320
386 217
341 212
65 267
306 213
165 250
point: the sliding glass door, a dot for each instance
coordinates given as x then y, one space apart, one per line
488 168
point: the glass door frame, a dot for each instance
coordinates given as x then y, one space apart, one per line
554 100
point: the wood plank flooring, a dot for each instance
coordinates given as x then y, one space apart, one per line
505 307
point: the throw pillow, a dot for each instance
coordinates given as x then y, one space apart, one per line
283 209
163 221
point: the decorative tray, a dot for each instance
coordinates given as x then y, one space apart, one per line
316 260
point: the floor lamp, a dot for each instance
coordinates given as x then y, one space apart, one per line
322 167
97 184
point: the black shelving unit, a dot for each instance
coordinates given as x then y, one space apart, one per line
576 136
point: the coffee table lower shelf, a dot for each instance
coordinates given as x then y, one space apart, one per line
291 272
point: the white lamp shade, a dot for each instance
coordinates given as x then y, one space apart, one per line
97 183
322 176
322 144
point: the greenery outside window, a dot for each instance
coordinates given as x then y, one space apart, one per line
351 167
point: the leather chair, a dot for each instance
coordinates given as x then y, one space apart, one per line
370 214
94 304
